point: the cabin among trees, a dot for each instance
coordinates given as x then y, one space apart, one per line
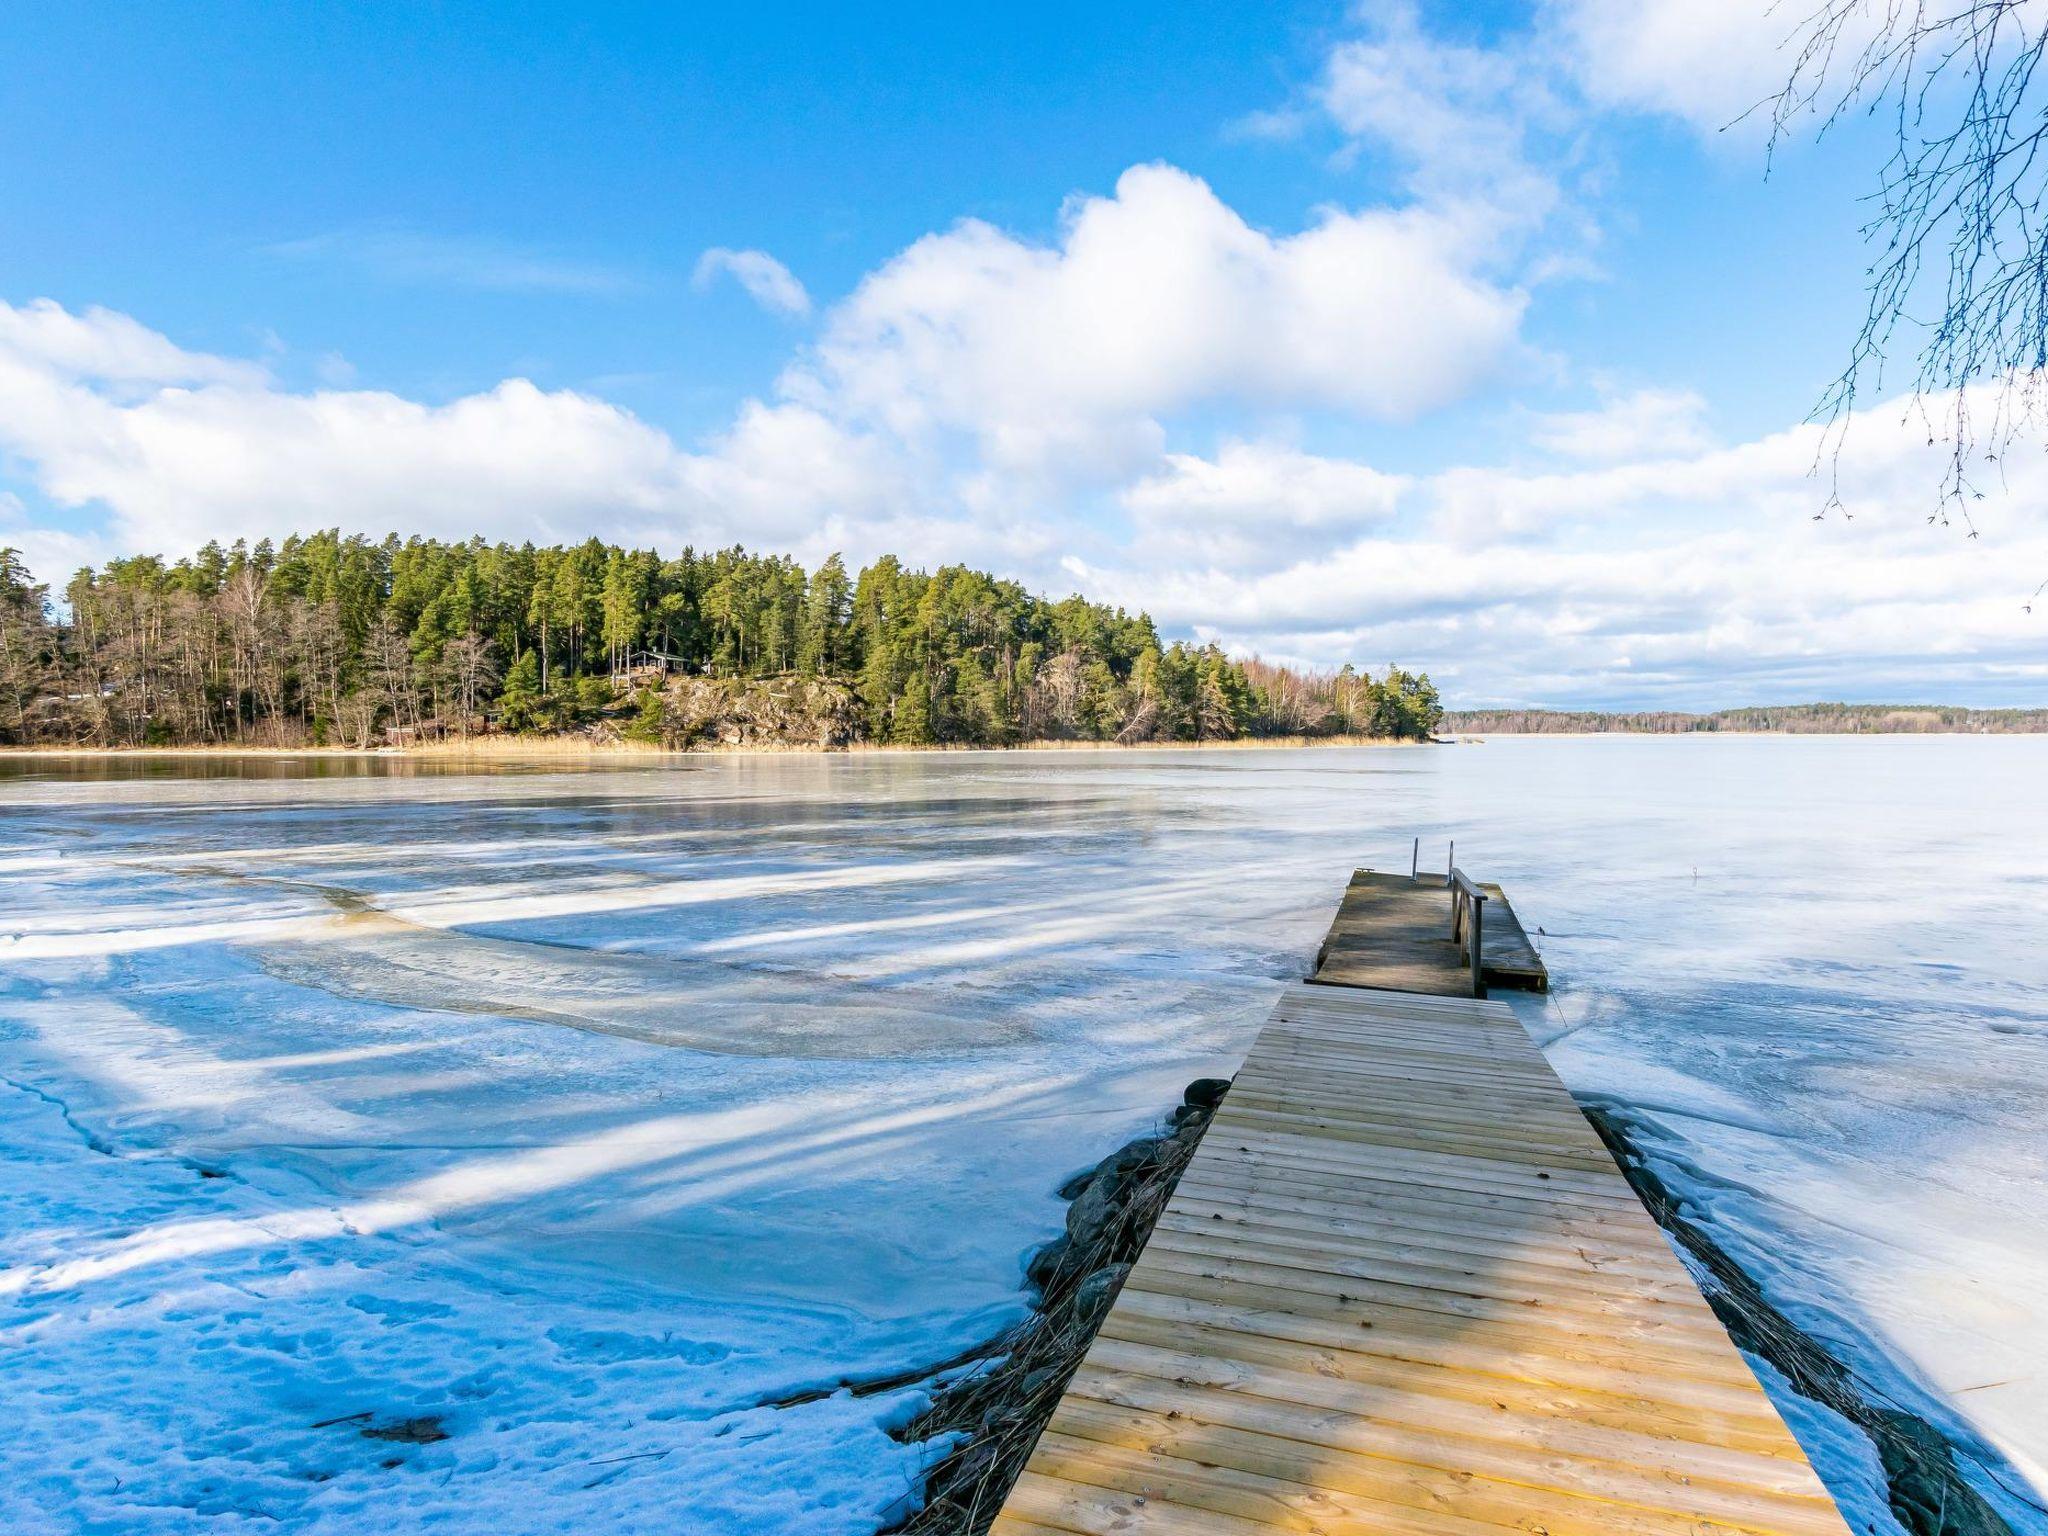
333 640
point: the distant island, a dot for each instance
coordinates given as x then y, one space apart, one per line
332 641
1790 719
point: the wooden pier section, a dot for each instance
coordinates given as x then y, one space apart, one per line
1402 1289
1393 931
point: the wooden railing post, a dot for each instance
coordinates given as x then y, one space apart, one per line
1468 920
1478 947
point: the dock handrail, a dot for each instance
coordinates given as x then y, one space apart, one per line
1468 921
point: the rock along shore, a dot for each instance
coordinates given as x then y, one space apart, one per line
998 1408
1928 1492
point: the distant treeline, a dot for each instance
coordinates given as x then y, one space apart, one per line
1792 719
324 639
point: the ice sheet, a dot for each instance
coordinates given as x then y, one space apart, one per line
597 1114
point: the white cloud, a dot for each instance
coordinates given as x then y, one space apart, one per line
1698 579
51 554
767 281
1256 505
789 467
1708 64
1155 299
403 256
1721 66
974 371
1689 575
107 347
1486 137
181 447
1647 423
1456 116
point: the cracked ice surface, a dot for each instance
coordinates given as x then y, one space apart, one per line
590 1113
581 1111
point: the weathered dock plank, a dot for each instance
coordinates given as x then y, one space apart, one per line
1393 932
1402 1288
1509 958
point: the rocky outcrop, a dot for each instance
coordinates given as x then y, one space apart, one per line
787 711
998 1408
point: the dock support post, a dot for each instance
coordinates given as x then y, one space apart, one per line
1415 859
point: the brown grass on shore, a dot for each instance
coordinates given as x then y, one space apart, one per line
502 748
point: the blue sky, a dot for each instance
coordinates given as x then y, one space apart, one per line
1458 335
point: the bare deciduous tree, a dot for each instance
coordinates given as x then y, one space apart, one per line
356 717
470 667
389 664
1958 220
26 647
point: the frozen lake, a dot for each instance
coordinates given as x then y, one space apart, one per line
613 1118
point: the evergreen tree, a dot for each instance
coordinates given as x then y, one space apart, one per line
519 701
827 601
328 637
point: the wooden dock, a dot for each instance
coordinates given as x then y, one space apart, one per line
1402 1289
1393 931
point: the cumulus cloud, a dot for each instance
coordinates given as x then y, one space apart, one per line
767 281
975 370
1152 300
1256 505
1693 579
1645 423
1707 64
1675 573
180 446
107 347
